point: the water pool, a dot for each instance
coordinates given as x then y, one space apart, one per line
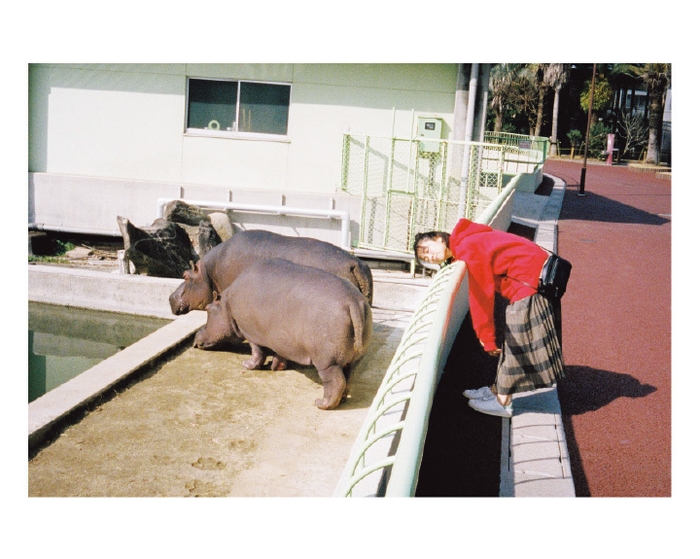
66 341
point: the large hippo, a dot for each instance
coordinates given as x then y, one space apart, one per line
299 313
217 269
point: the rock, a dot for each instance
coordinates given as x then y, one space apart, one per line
162 250
178 211
222 224
205 230
207 238
79 253
203 236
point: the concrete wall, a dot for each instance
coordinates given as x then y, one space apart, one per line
91 205
89 289
109 139
530 180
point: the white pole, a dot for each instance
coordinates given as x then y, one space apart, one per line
468 135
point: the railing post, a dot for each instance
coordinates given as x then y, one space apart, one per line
388 191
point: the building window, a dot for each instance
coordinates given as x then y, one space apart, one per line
237 108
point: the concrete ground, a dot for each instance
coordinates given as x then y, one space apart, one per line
617 396
202 425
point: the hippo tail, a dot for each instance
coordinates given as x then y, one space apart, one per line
363 276
361 317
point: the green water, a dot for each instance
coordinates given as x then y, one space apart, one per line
67 341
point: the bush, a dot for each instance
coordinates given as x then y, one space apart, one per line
48 249
575 137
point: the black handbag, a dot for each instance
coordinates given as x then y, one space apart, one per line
554 277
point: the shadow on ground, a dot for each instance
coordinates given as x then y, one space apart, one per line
586 390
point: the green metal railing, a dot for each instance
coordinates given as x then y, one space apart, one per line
408 185
537 144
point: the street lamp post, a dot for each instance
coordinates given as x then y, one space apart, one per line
582 182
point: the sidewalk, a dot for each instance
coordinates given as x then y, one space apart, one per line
537 464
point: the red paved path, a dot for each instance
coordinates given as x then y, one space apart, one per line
616 399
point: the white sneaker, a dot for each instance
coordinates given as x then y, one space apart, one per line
483 393
491 407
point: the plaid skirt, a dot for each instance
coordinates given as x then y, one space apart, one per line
532 356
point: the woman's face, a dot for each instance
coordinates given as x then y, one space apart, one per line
433 251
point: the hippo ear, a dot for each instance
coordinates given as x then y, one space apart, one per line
215 296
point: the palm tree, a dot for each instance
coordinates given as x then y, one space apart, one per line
555 76
501 84
538 80
527 96
657 78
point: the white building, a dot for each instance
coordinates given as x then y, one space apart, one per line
111 139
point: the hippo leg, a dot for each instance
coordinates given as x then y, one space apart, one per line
256 359
346 373
278 363
333 387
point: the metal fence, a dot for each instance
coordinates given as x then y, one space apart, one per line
521 141
412 185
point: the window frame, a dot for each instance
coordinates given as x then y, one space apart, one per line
235 134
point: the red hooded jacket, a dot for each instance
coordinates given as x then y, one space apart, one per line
497 262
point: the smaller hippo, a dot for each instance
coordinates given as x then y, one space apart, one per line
298 313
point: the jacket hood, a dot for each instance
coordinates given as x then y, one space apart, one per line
465 228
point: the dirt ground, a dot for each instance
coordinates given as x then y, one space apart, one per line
204 426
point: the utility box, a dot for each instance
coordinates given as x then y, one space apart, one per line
429 127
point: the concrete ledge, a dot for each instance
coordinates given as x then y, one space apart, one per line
396 293
547 228
539 458
105 291
534 454
48 411
123 293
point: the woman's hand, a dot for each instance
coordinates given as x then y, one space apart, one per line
492 352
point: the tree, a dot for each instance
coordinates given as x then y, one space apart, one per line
555 76
537 75
602 97
525 96
517 97
657 78
634 130
500 84
575 139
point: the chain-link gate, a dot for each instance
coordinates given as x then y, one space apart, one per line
414 185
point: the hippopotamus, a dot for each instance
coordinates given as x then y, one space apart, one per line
217 269
299 313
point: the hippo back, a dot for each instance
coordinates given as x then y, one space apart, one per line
226 261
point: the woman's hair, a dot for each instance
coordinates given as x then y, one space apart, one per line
431 235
